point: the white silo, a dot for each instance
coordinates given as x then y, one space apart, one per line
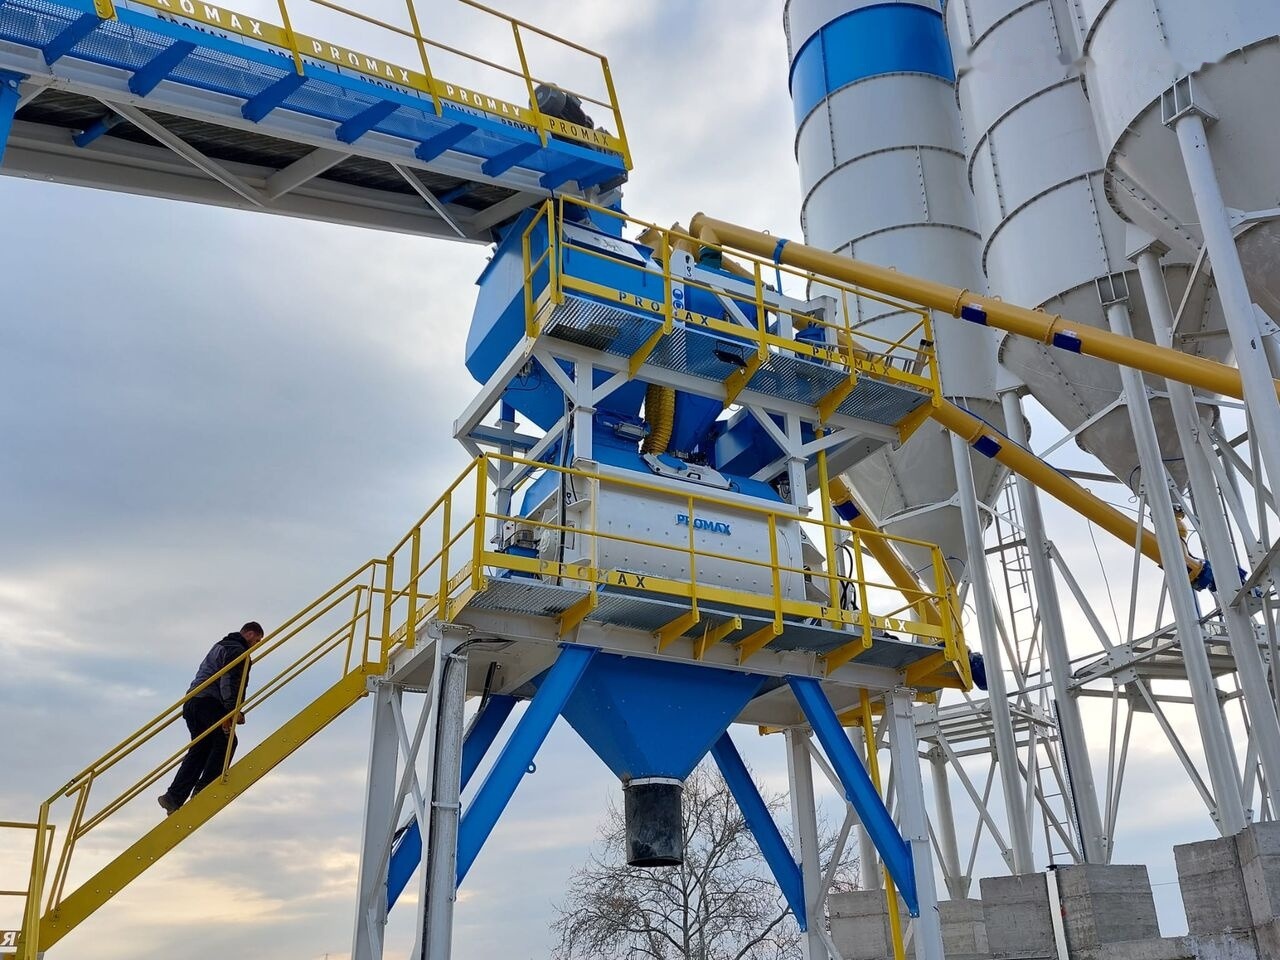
1184 98
883 179
1049 234
882 173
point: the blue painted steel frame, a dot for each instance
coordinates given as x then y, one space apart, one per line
497 143
484 730
858 788
776 852
9 83
513 763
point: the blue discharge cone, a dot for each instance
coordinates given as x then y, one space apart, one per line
651 722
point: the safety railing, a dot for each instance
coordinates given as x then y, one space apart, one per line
329 639
751 292
516 79
457 549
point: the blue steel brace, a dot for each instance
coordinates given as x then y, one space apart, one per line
858 788
513 763
776 853
484 730
9 83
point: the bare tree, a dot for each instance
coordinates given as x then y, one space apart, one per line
722 903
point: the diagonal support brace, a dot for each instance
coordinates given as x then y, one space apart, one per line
513 763
9 84
858 788
761 824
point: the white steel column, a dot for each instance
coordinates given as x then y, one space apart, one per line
913 821
944 823
997 695
870 876
440 845
379 824
1215 534
804 820
1095 843
1204 691
1247 338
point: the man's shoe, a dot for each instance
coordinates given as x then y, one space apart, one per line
168 803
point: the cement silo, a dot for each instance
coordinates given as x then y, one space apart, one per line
883 179
1050 238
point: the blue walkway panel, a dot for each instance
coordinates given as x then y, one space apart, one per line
858 788
212 48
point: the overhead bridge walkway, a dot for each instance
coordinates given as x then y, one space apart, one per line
197 101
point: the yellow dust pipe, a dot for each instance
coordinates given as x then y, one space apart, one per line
660 411
881 549
992 443
1037 325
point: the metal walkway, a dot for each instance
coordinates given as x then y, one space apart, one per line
194 101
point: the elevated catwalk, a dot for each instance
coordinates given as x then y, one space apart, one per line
194 101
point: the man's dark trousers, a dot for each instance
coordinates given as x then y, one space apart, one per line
203 763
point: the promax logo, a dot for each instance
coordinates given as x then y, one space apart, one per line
712 526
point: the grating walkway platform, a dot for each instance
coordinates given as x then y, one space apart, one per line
715 357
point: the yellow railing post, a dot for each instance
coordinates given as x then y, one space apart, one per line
526 254
617 112
292 40
446 521
388 600
776 572
415 563
35 889
234 719
481 516
528 82
828 537
422 53
864 605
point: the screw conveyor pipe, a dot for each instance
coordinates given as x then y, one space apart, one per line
1037 325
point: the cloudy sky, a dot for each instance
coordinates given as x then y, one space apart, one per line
210 416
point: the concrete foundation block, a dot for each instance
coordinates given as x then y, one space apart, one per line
964 930
1018 922
1258 847
1213 887
860 925
1106 904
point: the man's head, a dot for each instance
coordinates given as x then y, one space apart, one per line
252 632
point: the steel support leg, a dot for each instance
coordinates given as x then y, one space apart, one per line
1215 534
804 818
475 745
1247 338
379 823
1095 844
9 83
913 822
944 822
760 822
1219 757
988 634
869 873
858 788
442 839
513 763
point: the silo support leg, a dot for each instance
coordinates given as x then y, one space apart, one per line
9 83
913 822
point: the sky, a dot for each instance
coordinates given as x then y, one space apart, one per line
209 416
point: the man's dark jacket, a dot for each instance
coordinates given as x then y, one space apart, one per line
227 686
